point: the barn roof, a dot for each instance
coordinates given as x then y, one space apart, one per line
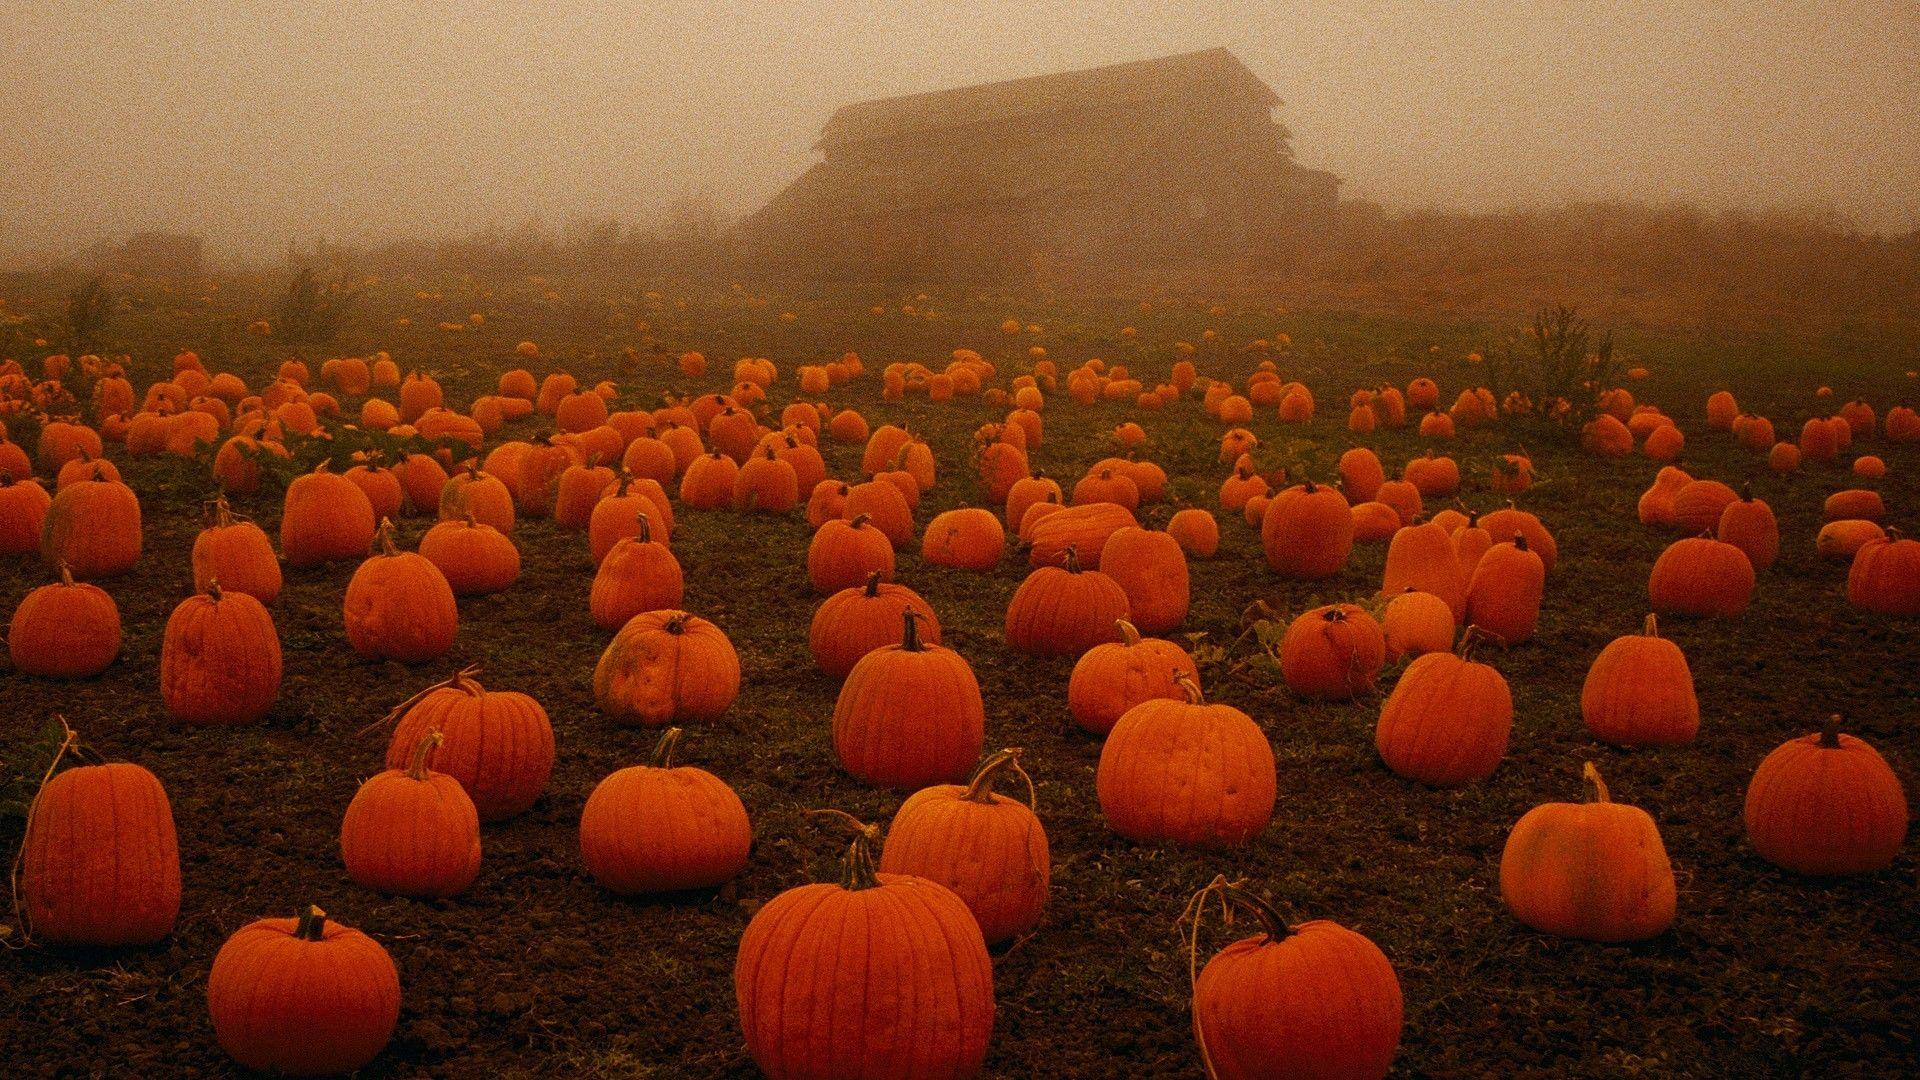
1122 84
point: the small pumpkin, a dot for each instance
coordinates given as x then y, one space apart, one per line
66 630
854 622
238 554
638 575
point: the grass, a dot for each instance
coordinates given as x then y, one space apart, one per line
536 970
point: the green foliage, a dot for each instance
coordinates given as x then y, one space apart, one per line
89 308
1559 361
312 313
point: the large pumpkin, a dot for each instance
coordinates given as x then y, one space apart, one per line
1826 804
305 997
638 575
1701 576
897 962
399 606
1332 653
1592 870
663 827
325 517
219 659
853 622
100 864
989 849
1307 532
910 714
1447 721
238 554
1187 772
66 630
1064 611
1151 568
666 667
1885 576
93 527
497 743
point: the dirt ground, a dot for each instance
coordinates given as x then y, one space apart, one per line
535 971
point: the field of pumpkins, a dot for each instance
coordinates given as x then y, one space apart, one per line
862 686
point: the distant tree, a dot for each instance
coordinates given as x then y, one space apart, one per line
89 307
311 312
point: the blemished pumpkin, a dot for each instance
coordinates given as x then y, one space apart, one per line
853 622
497 743
100 863
1639 692
1308 1000
969 538
219 659
813 951
662 827
1596 871
1064 610
844 553
325 517
303 997
399 606
238 554
1085 529
1332 653
1826 804
666 667
991 850
412 831
1447 721
1701 576
1112 678
638 575
1150 567
1186 772
66 630
909 715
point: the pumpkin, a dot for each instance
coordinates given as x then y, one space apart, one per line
1307 532
219 659
663 827
1403 497
1151 569
1844 539
989 849
1656 503
1826 804
1447 721
474 557
1186 772
1064 611
1701 576
23 511
1595 871
844 553
853 622
399 606
1112 678
969 538
325 517
100 864
1639 692
1196 531
1241 487
1085 529
93 527
910 714
497 743
1312 1000
1332 653
617 514
1748 524
766 483
1506 523
423 479
666 667
1106 486
1698 504
1422 557
639 574
1885 576
1722 410
1503 598
411 831
1512 473
1783 458
305 997
382 488
1361 474
1415 623
815 951
66 630
578 491
1854 504
238 554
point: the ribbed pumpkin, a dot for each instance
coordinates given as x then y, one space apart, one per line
66 630
219 659
475 558
639 574
816 950
1150 567
497 743
882 504
1085 529
1503 597
1422 557
1026 492
666 667
238 554
100 864
989 849
1307 532
1187 772
1112 678
617 514
1701 576
399 606
853 622
663 827
1361 474
23 511
1196 531
1311 1000
1332 653
93 527
1064 611
325 517
1698 504
969 538
1885 576
1447 721
1748 524
304 997
842 554
1826 804
1414 623
910 714
1639 692
1596 870
1506 523
412 831
481 494
766 483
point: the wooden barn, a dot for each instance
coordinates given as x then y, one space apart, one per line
1154 163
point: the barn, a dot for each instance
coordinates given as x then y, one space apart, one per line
1157 162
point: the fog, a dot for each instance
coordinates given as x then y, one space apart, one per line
259 123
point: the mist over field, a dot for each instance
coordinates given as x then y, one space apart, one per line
256 124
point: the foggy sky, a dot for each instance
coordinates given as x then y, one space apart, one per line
256 123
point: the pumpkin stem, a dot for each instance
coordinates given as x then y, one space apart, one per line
385 536
213 590
1651 628
646 528
1830 732
1192 689
858 520
663 750
66 574
461 679
312 925
1520 541
858 870
69 742
980 789
1129 634
1228 893
910 634
1592 776
873 585
676 623
1072 560
417 764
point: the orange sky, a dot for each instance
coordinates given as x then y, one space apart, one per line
254 123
